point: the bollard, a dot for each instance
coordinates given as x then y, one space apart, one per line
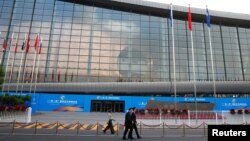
97 128
117 129
28 120
57 124
183 130
13 127
36 127
204 126
163 128
140 128
77 129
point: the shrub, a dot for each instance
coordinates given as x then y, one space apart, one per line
185 111
247 111
12 100
156 111
142 111
240 111
150 110
172 111
232 111
164 111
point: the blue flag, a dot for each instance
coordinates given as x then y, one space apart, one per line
207 18
171 16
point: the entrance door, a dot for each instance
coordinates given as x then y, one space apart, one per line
107 105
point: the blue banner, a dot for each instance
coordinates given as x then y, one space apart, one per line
82 103
60 102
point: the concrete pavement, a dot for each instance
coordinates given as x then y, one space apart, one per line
169 133
91 138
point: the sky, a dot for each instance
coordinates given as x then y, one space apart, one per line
239 6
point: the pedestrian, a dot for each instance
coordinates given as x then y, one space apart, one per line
134 124
128 124
110 124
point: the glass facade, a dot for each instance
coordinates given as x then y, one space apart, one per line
84 43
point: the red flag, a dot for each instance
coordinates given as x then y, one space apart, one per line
28 45
4 45
16 48
36 42
189 19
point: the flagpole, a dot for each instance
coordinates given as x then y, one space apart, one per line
20 66
2 57
32 72
192 44
19 71
172 23
172 29
212 62
25 63
11 70
7 64
33 68
2 45
211 50
12 65
38 65
23 76
36 73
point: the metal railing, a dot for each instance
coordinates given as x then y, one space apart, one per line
195 118
19 116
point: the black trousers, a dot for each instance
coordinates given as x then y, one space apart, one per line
109 126
130 135
126 131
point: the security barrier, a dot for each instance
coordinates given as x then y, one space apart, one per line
20 116
194 117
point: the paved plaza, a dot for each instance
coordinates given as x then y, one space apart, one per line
67 131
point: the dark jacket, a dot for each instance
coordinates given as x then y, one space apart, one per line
133 118
128 119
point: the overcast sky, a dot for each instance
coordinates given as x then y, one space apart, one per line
235 6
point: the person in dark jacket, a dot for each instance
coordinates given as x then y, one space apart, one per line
128 124
134 124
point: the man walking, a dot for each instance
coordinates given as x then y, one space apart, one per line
128 124
134 124
110 124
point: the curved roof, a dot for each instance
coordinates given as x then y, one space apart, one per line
204 87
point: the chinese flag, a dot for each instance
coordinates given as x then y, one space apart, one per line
189 19
28 45
4 45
